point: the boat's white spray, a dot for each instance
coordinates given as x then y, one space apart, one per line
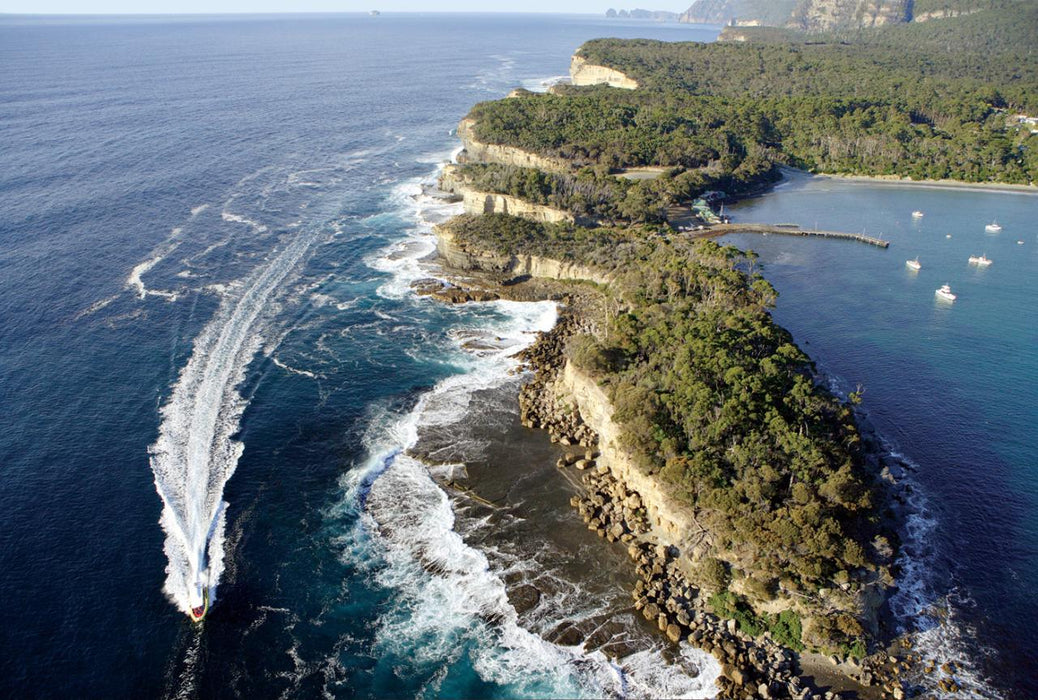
195 455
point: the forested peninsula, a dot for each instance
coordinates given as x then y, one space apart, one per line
743 489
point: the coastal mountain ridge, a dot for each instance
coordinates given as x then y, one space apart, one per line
813 15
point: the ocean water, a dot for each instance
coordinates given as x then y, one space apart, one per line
211 368
950 391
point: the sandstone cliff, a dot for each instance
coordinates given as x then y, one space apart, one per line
671 521
822 15
479 202
461 257
742 12
491 203
583 73
478 152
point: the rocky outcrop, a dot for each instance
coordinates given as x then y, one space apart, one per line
945 14
476 151
670 520
461 257
739 12
621 505
490 203
480 202
583 73
823 15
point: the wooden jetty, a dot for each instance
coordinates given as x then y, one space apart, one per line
715 230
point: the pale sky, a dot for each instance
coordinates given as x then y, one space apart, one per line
211 6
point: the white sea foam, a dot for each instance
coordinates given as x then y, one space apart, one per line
544 84
293 370
447 593
404 260
925 611
239 219
195 455
134 281
448 599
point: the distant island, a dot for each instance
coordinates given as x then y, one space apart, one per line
748 499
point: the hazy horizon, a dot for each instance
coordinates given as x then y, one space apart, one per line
199 7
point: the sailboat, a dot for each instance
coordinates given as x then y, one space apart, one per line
993 227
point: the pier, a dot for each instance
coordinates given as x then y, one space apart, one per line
716 230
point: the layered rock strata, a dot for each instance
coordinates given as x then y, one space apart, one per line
583 73
476 151
620 507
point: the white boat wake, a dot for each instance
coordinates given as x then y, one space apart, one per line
195 455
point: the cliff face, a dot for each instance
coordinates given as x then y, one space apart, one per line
671 521
811 15
478 202
821 15
461 257
742 12
479 152
583 73
490 203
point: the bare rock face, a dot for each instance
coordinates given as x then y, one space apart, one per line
740 12
476 151
821 15
493 203
810 15
583 73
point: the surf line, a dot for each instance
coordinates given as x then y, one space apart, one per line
194 455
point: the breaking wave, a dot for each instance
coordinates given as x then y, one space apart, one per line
450 604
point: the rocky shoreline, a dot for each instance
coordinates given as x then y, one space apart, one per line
752 667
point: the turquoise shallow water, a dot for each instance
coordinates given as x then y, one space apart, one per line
952 388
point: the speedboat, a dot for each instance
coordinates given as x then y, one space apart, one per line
981 260
917 214
993 227
199 602
945 293
913 265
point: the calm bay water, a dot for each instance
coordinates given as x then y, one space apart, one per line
211 224
952 389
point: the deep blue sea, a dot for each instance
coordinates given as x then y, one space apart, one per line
211 365
211 362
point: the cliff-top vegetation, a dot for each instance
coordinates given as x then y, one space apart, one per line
717 401
930 101
714 399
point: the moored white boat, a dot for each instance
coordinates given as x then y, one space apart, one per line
917 214
993 227
913 265
980 260
945 293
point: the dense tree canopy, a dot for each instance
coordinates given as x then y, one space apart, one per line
930 101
